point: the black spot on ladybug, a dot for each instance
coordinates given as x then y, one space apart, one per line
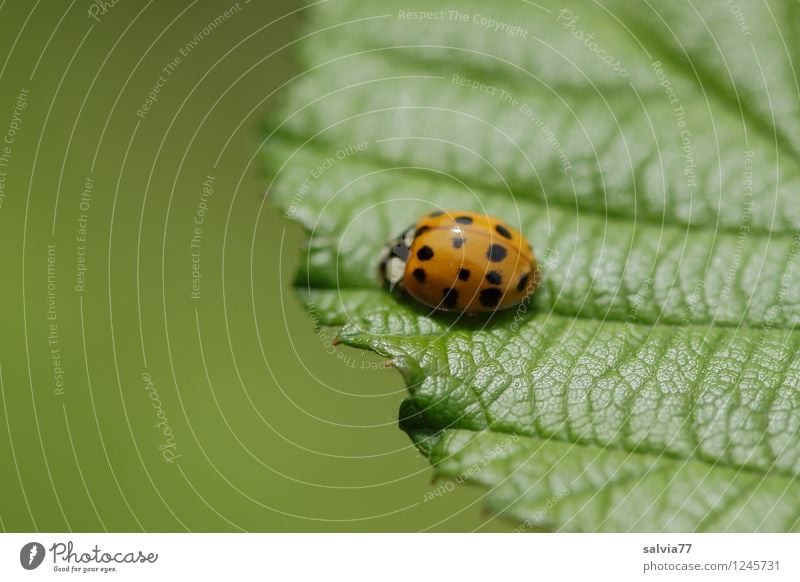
450 298
496 253
425 253
458 242
523 281
490 297
422 229
463 274
503 231
494 278
419 274
401 250
435 214
464 220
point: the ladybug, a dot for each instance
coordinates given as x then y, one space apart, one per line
461 261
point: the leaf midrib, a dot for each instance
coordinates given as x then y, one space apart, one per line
375 159
642 452
740 327
419 373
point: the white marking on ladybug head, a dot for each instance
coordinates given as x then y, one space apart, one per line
394 259
395 269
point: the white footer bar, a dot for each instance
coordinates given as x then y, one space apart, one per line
401 557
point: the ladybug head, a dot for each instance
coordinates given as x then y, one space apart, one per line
394 259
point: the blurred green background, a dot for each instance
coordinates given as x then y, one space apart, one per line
128 403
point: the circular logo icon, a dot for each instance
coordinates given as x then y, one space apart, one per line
31 555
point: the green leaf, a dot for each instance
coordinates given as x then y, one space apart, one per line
650 153
547 484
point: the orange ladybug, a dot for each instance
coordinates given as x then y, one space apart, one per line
461 261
